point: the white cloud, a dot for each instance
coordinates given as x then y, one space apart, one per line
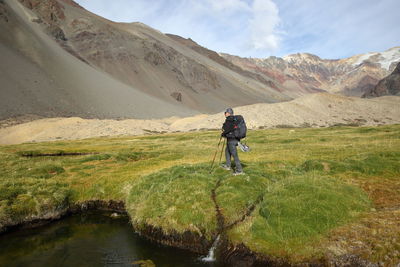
227 5
263 25
339 29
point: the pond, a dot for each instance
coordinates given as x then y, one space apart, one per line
90 239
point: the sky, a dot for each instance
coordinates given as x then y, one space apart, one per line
330 29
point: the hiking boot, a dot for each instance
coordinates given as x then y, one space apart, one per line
225 167
238 173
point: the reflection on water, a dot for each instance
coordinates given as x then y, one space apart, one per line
90 239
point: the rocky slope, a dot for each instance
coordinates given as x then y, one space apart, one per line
390 85
350 76
267 80
40 77
135 56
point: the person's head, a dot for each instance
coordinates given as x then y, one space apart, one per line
228 112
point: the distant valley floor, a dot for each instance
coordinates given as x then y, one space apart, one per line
316 110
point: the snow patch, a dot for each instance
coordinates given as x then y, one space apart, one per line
389 56
362 58
385 59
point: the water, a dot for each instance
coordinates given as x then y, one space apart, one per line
91 239
211 253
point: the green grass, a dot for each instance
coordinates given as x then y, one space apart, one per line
302 184
298 210
368 164
96 157
176 199
30 199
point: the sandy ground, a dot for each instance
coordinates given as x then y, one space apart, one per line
317 110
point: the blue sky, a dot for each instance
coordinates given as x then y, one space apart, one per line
261 28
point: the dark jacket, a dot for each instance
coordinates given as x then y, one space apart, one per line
228 127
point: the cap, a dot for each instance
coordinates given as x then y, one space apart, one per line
229 110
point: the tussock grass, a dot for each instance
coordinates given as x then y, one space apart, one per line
297 207
95 158
133 156
368 164
46 171
297 210
175 199
29 199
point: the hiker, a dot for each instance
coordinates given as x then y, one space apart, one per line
230 132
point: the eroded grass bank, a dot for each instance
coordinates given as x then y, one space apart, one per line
309 195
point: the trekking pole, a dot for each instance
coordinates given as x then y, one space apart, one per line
220 156
215 154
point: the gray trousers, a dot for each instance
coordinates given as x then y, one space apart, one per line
231 151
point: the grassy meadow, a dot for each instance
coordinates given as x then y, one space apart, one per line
306 193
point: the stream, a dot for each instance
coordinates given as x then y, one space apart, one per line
91 239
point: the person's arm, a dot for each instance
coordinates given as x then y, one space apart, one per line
227 127
223 133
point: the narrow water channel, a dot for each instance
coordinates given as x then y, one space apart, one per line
91 239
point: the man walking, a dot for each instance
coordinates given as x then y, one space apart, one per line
228 128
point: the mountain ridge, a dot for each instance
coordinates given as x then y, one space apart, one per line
58 59
351 76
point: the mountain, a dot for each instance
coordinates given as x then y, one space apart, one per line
38 76
390 85
59 59
267 80
298 72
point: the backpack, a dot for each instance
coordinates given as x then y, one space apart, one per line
240 127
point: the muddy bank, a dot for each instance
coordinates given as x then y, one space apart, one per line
187 240
35 221
241 256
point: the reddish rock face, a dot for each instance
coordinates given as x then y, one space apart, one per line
309 72
50 11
